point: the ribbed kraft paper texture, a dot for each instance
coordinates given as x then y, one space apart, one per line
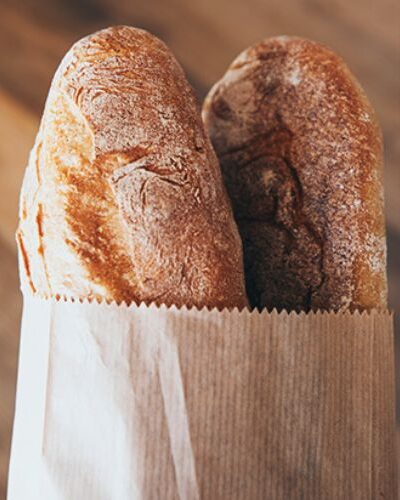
138 402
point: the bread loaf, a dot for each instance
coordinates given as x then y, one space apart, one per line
301 154
123 197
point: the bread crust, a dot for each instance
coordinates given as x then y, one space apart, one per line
123 198
301 153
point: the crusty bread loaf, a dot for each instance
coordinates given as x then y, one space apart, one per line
123 197
301 154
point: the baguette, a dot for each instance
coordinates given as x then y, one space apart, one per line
301 153
123 198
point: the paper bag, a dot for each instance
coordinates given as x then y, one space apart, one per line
121 403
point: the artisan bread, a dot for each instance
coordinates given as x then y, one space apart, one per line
123 197
301 153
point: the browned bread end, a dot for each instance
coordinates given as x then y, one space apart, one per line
301 153
123 197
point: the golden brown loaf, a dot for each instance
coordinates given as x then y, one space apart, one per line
123 198
301 155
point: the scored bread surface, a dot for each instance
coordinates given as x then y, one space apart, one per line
301 154
123 198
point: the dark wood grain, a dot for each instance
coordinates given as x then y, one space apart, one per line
205 36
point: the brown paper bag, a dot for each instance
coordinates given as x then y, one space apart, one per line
140 402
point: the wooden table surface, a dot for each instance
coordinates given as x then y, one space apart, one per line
205 36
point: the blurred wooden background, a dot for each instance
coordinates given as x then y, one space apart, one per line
205 35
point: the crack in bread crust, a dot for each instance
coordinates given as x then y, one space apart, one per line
286 214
